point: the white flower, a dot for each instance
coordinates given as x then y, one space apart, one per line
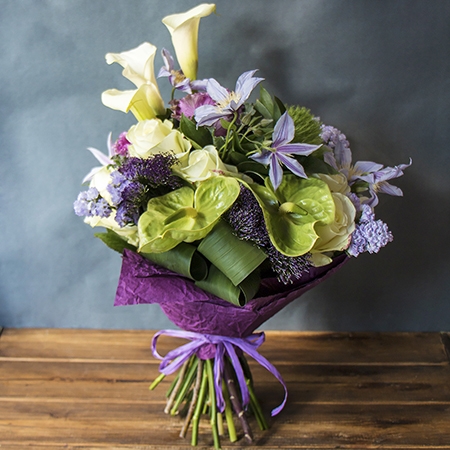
203 164
184 30
150 137
336 236
145 102
336 182
128 232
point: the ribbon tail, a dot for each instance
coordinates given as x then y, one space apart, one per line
218 371
272 369
239 374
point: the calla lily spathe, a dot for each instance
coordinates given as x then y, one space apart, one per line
145 102
184 31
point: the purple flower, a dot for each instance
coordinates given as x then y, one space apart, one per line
375 175
176 77
187 105
120 147
137 181
281 150
226 102
89 203
370 235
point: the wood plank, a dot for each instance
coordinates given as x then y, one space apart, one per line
309 426
332 383
134 345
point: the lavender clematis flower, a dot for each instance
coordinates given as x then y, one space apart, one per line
227 103
103 159
176 77
281 150
373 173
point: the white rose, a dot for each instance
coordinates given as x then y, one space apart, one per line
336 236
150 137
337 182
203 164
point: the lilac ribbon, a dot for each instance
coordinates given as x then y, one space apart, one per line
223 345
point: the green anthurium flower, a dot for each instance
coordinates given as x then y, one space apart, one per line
292 212
184 214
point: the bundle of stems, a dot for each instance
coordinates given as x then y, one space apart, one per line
192 394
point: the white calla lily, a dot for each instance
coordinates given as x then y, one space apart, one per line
183 28
145 102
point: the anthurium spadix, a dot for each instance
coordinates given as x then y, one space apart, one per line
183 28
145 102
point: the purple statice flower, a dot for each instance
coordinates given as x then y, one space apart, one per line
375 175
279 154
89 203
187 105
247 221
370 235
176 77
138 180
226 102
120 147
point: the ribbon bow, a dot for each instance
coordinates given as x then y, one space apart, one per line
223 345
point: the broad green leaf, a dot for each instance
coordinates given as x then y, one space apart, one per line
218 284
185 215
114 241
236 258
183 259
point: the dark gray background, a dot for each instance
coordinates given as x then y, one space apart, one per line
378 70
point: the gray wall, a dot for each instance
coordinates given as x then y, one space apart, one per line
378 70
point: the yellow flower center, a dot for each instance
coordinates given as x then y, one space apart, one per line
228 99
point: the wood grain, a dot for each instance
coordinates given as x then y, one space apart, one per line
86 389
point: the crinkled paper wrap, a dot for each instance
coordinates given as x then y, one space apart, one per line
193 309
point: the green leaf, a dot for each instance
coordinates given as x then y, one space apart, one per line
201 135
185 215
262 109
218 284
183 259
114 241
266 100
235 258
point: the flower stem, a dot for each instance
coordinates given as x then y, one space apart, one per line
158 380
229 414
194 400
199 408
256 407
235 401
176 387
188 379
213 410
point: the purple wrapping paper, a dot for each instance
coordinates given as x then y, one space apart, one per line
193 309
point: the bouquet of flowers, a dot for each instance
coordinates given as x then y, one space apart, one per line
225 210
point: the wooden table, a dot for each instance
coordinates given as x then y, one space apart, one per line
79 389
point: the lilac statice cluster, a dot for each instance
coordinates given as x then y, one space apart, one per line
89 203
332 137
370 235
138 180
247 220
